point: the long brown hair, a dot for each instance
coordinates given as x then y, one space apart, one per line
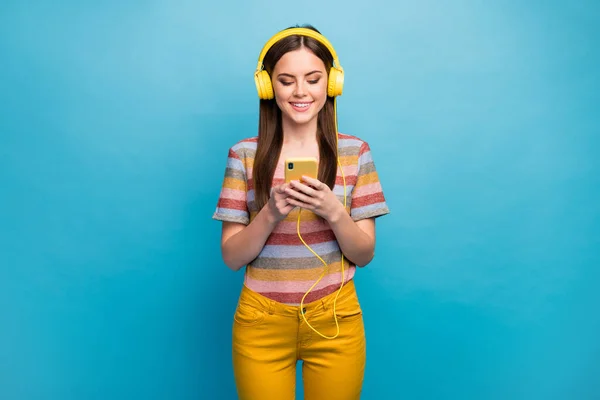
270 131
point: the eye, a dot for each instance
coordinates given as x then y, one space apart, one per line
314 81
284 83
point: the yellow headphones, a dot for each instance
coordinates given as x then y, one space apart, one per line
335 85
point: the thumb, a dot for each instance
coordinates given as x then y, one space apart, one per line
280 189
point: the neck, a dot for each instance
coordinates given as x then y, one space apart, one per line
299 135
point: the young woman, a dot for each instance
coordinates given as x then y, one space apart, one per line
300 241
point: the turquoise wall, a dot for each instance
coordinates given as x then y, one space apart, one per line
115 122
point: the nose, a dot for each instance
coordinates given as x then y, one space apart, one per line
300 91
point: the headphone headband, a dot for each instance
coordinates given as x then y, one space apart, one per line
297 31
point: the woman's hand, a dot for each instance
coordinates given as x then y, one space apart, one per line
315 196
356 239
278 204
240 244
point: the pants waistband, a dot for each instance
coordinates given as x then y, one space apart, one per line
257 300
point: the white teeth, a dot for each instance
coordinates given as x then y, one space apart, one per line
301 104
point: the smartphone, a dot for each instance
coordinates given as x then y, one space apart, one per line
297 167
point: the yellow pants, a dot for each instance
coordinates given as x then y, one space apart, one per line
269 338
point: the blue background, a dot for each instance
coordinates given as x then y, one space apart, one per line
115 123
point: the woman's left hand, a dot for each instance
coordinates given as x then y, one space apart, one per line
315 196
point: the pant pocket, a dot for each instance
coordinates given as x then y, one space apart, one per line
246 315
349 311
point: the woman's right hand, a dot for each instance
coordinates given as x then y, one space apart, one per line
278 205
240 244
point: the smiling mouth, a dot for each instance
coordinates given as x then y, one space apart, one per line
300 106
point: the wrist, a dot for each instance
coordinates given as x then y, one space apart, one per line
270 215
337 214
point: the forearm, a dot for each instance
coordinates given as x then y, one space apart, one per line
245 245
355 244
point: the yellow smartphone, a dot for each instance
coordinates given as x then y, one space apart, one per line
296 167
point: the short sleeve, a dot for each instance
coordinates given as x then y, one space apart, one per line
232 205
368 200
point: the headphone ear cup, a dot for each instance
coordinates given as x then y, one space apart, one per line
263 85
335 83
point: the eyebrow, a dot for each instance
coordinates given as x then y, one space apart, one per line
310 73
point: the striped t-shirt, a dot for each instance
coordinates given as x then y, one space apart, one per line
285 269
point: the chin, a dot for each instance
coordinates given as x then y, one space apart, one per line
303 120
